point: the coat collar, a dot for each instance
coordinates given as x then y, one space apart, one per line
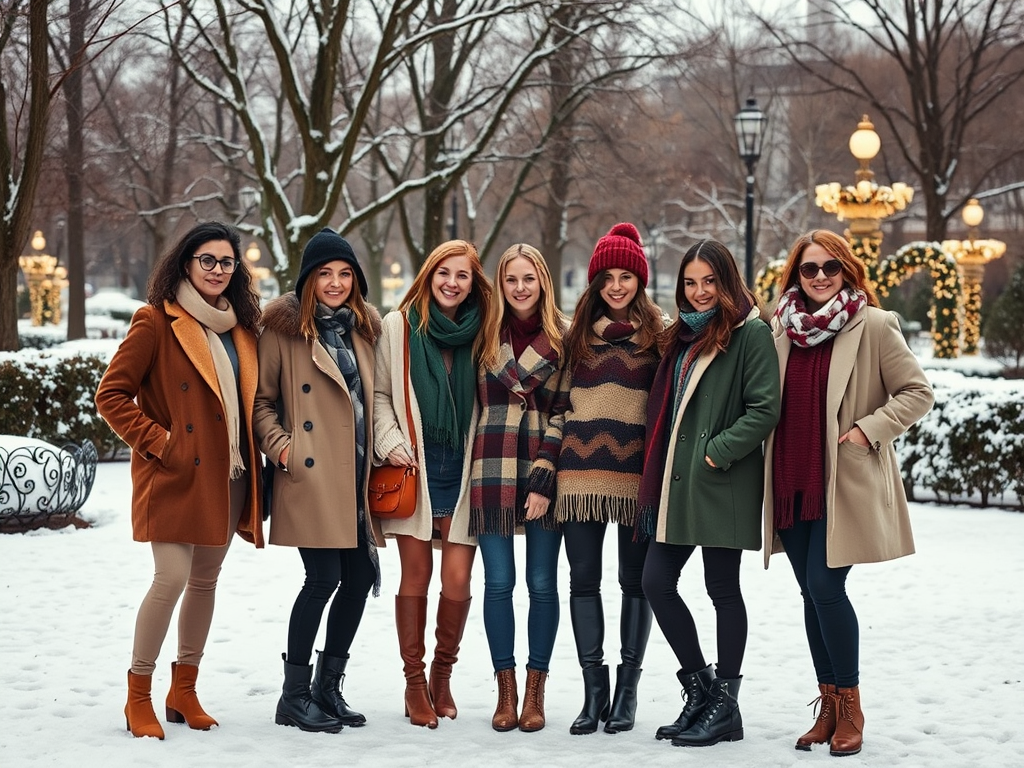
192 337
539 360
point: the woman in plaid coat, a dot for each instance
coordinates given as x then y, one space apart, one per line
518 438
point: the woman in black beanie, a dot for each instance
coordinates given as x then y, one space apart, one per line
314 420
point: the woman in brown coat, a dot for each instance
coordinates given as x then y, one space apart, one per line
180 392
314 418
833 493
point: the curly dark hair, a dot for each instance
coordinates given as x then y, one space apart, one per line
171 270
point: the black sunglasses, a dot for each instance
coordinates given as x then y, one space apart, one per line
831 268
208 261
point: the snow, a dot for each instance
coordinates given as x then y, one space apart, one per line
106 302
940 632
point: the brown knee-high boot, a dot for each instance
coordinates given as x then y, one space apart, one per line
411 621
139 717
825 725
849 735
451 623
182 705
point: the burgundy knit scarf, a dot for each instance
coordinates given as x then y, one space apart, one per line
798 464
522 332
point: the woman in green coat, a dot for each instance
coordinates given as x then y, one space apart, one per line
715 399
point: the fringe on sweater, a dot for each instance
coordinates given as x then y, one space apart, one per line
592 507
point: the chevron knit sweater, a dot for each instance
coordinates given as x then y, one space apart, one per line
602 454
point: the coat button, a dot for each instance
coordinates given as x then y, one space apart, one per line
675 477
188 427
218 417
703 434
309 462
305 387
184 386
197 461
682 438
307 425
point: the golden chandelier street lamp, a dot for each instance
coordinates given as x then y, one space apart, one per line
866 203
262 275
971 256
44 280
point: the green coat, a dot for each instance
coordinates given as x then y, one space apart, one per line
730 405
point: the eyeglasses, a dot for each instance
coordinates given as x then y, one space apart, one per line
831 268
208 261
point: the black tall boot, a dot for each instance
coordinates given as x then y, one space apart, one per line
720 720
695 696
587 616
634 630
296 706
328 680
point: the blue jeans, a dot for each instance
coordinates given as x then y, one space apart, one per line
498 552
833 633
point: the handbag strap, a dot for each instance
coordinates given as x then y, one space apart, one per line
405 379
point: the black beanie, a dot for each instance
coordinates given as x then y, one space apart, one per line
323 247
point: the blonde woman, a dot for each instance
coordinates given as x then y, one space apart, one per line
444 311
518 437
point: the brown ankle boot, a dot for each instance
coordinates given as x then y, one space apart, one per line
182 703
849 735
139 717
825 725
411 621
505 717
532 718
451 623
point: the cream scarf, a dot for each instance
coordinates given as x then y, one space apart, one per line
219 319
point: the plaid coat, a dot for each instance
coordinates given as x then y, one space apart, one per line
518 437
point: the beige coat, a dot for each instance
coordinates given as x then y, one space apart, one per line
875 383
390 430
303 403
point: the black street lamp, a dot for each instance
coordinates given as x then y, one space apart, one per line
455 213
750 122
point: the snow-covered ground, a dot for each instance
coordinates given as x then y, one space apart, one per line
941 666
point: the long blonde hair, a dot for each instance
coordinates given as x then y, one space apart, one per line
420 295
552 322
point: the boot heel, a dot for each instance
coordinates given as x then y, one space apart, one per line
174 716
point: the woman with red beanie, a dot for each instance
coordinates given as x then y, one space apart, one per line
611 357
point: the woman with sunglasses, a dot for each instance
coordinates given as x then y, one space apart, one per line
833 492
180 391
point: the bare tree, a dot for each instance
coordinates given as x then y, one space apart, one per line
943 66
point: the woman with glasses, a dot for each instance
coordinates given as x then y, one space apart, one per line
833 492
180 391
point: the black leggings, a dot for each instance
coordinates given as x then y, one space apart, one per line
584 544
325 570
722 579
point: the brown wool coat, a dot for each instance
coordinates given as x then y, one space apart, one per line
303 402
876 383
161 380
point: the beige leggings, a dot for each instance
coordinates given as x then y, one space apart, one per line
182 568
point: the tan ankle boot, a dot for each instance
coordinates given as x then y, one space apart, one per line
825 725
182 705
505 717
849 735
139 717
532 718
451 623
411 621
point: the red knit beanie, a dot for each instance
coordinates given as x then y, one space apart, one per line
619 249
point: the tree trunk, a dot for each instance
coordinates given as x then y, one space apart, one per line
74 169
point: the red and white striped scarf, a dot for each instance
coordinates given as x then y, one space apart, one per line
809 329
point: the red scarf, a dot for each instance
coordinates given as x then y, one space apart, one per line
522 332
798 465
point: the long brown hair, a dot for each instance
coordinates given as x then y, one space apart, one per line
552 322
171 269
420 295
591 305
734 298
854 274
355 302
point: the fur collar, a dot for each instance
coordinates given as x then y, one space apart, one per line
282 316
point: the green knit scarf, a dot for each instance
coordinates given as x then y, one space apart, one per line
446 402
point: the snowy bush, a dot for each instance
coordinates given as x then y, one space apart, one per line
48 395
971 444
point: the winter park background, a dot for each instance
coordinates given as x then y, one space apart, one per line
941 658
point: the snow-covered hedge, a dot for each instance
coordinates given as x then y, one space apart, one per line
48 395
970 446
